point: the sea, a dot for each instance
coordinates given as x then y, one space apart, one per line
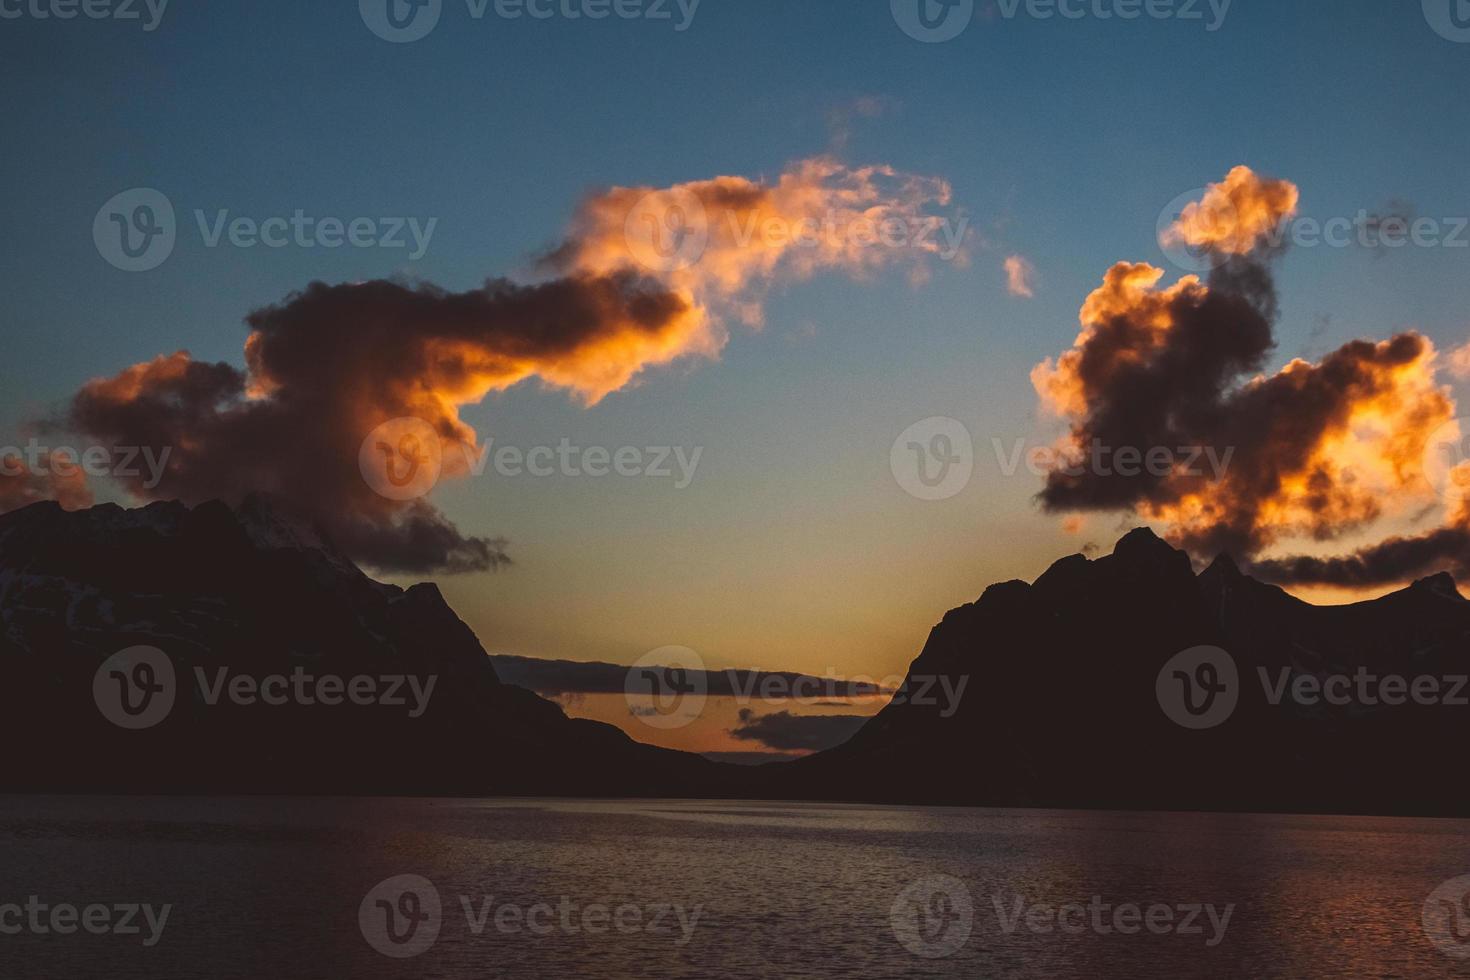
268 888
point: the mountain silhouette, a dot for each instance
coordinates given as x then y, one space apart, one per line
1062 707
1055 693
224 593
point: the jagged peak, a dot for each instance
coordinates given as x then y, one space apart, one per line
1442 583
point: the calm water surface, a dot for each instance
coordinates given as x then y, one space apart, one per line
550 888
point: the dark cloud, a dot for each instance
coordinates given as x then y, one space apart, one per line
749 758
784 731
556 677
1314 450
1385 563
331 363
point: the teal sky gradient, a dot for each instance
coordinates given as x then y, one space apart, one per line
794 548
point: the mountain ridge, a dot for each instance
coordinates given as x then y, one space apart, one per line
1059 684
228 593
1064 708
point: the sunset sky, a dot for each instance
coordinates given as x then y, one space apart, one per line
1058 144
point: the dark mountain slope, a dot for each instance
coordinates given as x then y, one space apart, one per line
1060 706
257 595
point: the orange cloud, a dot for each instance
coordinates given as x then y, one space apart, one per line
1235 216
1313 450
723 243
645 277
56 476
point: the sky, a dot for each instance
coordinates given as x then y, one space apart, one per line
1056 143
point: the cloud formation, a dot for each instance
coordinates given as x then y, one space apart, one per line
787 732
1236 216
329 364
559 677
55 477
1020 277
1318 450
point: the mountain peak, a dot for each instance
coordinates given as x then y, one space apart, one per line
1441 584
1225 567
1142 545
